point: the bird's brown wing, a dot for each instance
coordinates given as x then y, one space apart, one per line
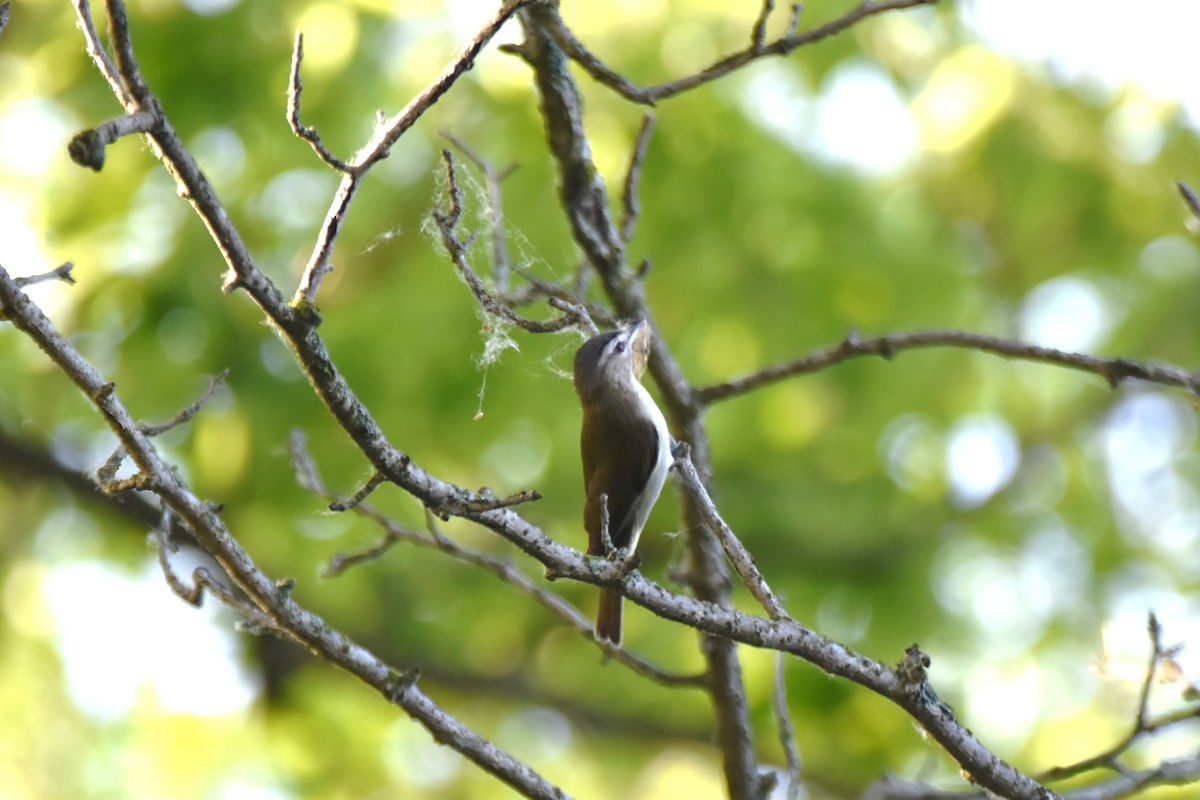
619 453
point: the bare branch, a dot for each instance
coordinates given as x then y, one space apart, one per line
192 184
787 730
62 273
633 177
1143 723
106 475
739 557
123 55
202 579
758 34
1191 200
1113 370
758 47
387 133
504 569
564 299
87 148
1171 772
273 600
447 220
99 55
501 268
371 485
309 135
186 414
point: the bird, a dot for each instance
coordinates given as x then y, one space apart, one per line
625 447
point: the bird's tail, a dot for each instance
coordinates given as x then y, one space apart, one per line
608 619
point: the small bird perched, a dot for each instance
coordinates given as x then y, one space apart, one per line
626 449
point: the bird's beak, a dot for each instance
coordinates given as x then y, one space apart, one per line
639 338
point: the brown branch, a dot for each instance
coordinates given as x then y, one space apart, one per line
758 34
907 686
735 551
186 414
758 48
387 133
308 476
130 88
374 482
96 51
61 273
1126 782
492 177
304 132
1191 200
1143 723
633 176
87 148
203 580
787 729
1113 370
447 219
273 600
106 475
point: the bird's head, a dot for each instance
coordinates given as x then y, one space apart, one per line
612 361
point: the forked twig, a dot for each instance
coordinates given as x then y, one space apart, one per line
1113 370
61 273
758 48
310 135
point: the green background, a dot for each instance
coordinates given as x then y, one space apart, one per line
1031 599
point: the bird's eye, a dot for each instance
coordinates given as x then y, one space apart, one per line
619 347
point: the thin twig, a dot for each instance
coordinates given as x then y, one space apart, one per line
1157 655
650 95
565 299
447 219
1191 200
306 133
186 414
1143 723
758 34
787 730
1113 370
192 184
87 147
633 175
374 482
106 475
122 49
387 133
202 579
60 273
97 52
492 177
739 557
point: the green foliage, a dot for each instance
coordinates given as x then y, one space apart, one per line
761 251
